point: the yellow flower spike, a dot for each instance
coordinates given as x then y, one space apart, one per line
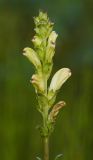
44 42
32 56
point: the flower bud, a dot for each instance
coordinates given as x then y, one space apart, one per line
32 56
41 19
51 46
36 41
52 37
59 79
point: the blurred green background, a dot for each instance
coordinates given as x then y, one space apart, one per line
73 136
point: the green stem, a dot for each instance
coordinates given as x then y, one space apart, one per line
45 117
46 147
45 136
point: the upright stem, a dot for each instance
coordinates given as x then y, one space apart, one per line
46 147
45 117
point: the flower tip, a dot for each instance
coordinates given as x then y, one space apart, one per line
25 50
24 53
70 73
55 33
62 103
67 70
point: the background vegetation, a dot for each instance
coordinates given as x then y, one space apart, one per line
73 136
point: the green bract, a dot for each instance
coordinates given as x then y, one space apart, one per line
44 43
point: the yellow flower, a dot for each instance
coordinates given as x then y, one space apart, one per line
59 79
37 81
32 56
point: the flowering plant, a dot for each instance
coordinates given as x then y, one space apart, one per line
41 57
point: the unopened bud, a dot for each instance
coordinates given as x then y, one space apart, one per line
51 46
36 41
52 37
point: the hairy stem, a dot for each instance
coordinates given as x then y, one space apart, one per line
46 148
